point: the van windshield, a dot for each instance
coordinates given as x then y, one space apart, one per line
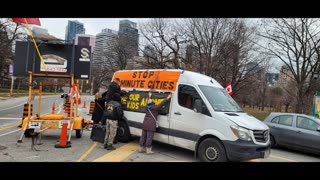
219 99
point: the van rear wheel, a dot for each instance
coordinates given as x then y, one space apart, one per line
123 133
211 150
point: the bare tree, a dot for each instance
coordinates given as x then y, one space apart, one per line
289 92
296 43
226 49
164 41
9 32
116 58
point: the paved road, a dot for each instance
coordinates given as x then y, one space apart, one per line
84 150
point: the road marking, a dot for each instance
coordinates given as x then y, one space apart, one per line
282 158
15 125
59 108
119 154
87 152
8 118
10 132
12 107
23 103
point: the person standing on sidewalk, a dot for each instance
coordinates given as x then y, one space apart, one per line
114 114
113 88
150 124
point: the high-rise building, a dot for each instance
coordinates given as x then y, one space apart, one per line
39 30
85 40
129 33
104 42
73 28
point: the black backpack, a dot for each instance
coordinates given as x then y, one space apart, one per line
114 111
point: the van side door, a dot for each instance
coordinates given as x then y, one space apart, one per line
185 123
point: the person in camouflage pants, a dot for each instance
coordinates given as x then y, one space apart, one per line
114 113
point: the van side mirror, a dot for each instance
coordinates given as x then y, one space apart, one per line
198 106
318 129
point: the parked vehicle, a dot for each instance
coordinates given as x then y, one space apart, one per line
201 116
296 131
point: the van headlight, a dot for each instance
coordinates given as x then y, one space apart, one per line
241 133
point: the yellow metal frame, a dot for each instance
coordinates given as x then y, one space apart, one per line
51 121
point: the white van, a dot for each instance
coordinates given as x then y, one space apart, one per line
201 117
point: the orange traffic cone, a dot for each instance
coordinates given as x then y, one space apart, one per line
10 93
53 107
63 137
84 104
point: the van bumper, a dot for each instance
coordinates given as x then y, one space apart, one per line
241 150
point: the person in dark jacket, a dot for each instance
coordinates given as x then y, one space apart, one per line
149 124
98 109
114 114
113 88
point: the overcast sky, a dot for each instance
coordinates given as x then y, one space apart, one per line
57 26
93 26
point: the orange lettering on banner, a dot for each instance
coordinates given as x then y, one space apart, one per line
155 80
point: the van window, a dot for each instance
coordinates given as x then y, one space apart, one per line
187 96
219 99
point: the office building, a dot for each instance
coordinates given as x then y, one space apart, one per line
128 32
105 41
73 28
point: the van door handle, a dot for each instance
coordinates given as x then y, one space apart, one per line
177 113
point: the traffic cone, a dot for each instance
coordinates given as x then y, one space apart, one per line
84 104
63 137
10 93
53 107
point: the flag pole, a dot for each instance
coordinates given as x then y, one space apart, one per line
35 44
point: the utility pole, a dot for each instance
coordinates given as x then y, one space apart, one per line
91 90
81 86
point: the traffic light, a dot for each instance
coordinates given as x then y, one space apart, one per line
87 81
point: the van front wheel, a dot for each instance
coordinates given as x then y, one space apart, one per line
211 150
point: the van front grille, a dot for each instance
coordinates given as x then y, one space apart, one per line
261 136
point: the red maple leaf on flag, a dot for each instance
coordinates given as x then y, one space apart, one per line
35 21
229 88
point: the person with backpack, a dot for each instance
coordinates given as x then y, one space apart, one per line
149 124
114 114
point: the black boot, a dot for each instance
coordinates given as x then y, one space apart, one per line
110 147
115 141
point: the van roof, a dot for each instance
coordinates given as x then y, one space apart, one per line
187 77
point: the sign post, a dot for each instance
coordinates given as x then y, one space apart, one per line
12 78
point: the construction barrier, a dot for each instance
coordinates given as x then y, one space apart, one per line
92 104
25 112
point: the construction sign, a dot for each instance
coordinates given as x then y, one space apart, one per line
149 79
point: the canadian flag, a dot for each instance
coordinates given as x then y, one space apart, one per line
229 88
